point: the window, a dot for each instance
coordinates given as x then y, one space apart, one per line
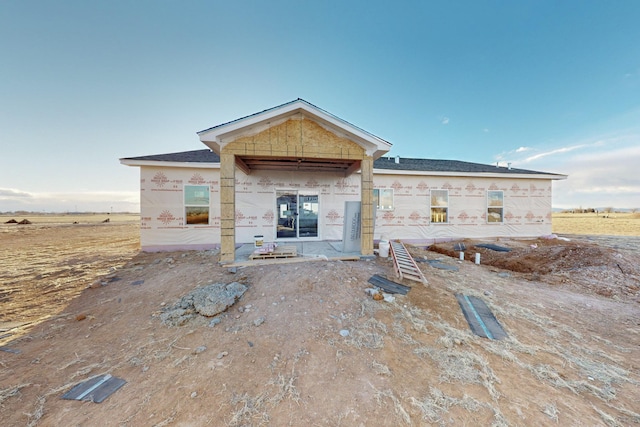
383 198
495 206
196 204
439 206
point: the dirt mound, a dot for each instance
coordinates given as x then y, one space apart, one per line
541 256
11 221
560 262
24 222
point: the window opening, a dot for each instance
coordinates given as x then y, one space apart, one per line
383 198
439 206
196 204
495 206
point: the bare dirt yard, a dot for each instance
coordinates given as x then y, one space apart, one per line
307 346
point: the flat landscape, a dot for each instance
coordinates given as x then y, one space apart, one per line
306 345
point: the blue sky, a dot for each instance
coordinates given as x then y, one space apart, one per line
545 85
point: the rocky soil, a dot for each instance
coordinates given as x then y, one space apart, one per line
306 345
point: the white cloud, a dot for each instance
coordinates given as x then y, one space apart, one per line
522 149
444 120
561 150
11 194
601 172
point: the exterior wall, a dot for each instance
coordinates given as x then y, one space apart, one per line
162 206
162 209
256 201
527 208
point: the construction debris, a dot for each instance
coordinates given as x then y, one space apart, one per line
270 251
404 264
388 285
493 247
95 389
481 320
207 301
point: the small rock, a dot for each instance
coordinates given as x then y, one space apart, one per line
214 322
344 333
222 354
259 321
194 394
241 309
81 316
200 349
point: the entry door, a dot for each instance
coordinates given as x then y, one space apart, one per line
297 214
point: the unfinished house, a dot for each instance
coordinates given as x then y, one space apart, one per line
298 173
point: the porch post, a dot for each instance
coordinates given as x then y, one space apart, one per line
227 208
366 211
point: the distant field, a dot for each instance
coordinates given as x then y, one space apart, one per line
614 224
88 218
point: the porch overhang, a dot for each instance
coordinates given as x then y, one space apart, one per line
344 167
298 137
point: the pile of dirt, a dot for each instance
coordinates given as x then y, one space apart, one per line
560 261
23 222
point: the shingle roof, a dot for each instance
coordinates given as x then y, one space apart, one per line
431 165
195 156
388 163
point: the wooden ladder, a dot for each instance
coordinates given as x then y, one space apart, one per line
404 264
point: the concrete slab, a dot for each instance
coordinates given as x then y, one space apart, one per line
306 250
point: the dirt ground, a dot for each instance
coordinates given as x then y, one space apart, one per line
80 300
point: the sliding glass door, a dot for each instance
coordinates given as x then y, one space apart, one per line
297 214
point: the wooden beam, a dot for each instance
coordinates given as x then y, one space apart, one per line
355 166
243 166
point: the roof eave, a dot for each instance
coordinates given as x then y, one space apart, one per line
170 164
378 171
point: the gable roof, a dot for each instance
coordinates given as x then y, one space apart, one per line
217 136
